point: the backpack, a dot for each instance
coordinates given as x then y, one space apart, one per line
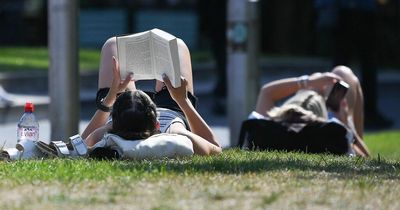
316 137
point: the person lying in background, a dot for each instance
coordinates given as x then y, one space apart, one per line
306 102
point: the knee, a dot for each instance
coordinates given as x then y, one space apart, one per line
264 90
346 74
182 46
110 44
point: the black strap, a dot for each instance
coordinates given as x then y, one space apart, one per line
101 94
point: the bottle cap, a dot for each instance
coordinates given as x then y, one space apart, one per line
29 107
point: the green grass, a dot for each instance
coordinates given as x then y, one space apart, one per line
386 144
36 58
234 180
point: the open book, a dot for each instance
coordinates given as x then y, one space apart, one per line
149 55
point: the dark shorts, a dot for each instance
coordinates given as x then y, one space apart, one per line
162 99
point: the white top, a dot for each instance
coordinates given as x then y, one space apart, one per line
167 117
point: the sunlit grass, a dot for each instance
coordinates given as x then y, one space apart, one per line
386 144
36 58
234 180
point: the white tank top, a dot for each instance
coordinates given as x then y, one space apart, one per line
167 117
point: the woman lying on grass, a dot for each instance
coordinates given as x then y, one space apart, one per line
308 103
136 115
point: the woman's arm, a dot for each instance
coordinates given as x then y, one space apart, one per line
97 134
100 117
276 90
201 134
201 146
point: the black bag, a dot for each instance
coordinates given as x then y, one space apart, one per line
318 137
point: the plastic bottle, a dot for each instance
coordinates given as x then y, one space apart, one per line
28 126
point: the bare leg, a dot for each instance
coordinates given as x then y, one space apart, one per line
98 120
109 50
185 64
354 97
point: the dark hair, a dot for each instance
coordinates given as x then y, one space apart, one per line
134 116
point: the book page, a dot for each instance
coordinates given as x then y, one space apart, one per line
163 58
134 55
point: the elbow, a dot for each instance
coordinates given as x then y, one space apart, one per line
215 150
212 150
264 101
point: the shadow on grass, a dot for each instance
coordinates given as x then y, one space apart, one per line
237 162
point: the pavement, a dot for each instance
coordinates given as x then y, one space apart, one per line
22 87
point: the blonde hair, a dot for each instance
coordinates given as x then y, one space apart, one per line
305 106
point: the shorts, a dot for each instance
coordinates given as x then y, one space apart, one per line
163 99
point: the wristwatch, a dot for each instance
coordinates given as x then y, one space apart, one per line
102 107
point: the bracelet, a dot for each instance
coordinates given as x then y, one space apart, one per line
102 107
302 81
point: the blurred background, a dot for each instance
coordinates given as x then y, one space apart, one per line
296 37
290 28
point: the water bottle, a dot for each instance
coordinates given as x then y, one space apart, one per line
28 126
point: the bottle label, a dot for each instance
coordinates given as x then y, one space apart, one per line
28 134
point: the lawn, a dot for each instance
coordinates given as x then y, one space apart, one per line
386 144
37 58
234 180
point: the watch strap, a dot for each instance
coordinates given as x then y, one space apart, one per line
102 107
101 94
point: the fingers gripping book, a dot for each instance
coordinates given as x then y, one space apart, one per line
148 55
